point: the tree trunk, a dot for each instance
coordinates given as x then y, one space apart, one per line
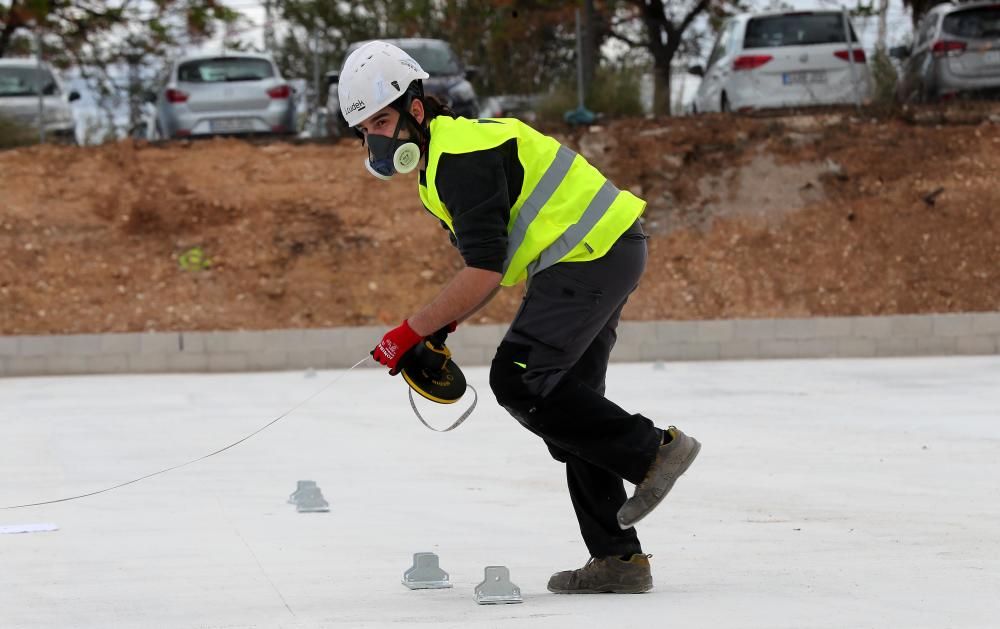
661 89
589 46
883 10
663 58
8 32
664 40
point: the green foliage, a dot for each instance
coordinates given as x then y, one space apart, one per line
13 134
193 260
885 79
614 94
518 46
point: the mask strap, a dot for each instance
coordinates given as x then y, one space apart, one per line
395 135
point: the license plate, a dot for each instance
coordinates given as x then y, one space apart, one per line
803 78
230 125
992 57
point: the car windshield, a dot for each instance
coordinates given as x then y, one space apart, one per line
433 58
436 58
25 81
223 69
795 29
978 23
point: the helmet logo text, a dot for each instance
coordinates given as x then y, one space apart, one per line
357 105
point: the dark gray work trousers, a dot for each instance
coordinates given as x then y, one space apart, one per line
549 373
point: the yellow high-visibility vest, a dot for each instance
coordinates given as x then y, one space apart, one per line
567 211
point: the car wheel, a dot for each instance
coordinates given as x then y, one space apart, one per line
724 106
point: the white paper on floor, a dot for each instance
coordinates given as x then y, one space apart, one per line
27 528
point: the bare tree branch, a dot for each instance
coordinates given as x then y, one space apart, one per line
695 11
631 42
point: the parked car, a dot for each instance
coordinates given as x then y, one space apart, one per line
519 106
236 93
21 80
449 79
956 51
788 59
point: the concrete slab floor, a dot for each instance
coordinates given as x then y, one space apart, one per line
829 494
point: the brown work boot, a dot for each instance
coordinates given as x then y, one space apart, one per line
608 574
672 460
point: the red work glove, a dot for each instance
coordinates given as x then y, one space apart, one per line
394 346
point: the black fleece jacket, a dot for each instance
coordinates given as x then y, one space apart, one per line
478 189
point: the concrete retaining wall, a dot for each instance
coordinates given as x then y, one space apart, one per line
819 337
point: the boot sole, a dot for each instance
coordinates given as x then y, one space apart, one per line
684 468
608 589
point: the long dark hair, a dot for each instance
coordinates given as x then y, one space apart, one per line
435 108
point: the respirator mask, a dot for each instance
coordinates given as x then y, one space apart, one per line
390 155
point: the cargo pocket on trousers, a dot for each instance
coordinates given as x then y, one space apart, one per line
557 309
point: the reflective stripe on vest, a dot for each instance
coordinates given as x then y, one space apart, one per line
546 186
566 210
575 234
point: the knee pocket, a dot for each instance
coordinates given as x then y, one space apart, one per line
507 377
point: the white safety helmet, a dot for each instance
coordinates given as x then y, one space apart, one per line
373 76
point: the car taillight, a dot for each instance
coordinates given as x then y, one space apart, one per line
947 48
176 96
750 62
281 91
859 55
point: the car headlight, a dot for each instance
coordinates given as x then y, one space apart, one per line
462 92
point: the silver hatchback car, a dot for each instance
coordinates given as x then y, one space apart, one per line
21 80
227 94
956 51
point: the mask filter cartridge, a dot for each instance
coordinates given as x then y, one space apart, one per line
406 157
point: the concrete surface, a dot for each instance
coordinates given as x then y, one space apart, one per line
829 494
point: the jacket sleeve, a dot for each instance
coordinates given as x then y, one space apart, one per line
474 187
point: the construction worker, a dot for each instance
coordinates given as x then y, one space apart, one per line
519 206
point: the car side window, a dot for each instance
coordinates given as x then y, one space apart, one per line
733 43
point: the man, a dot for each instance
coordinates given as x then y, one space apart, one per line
519 206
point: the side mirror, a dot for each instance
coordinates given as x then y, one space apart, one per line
696 71
332 78
899 52
74 95
471 72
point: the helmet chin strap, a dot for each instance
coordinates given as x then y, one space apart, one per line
407 155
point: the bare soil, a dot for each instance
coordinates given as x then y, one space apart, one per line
784 216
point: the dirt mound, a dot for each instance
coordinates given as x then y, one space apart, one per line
792 216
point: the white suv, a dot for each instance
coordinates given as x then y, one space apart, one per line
790 59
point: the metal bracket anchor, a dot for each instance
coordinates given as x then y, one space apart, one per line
496 588
425 574
308 498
